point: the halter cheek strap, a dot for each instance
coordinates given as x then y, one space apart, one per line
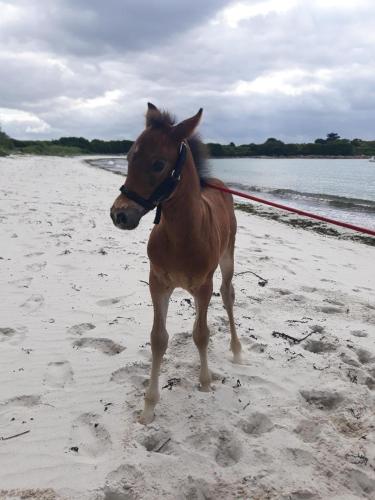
163 191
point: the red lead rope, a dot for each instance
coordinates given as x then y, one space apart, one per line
294 210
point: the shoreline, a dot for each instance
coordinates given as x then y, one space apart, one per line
123 155
283 217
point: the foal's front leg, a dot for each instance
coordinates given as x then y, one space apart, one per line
201 332
160 295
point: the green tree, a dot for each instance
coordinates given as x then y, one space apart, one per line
273 147
215 150
332 137
6 144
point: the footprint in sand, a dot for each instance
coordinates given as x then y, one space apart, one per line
155 440
109 302
334 302
297 297
258 348
316 328
80 328
351 425
106 346
21 283
309 289
349 360
33 303
34 254
324 400
360 483
89 437
229 450
256 424
125 483
319 346
301 495
282 291
111 493
302 458
36 266
136 373
309 430
25 401
330 310
359 333
58 374
7 333
364 356
12 335
197 488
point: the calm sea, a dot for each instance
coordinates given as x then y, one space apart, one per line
341 189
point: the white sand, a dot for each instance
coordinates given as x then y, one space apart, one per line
294 422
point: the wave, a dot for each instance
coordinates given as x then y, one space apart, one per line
350 204
331 200
115 165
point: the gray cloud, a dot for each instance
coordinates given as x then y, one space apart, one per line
88 68
97 28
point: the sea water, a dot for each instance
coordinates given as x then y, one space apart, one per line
343 189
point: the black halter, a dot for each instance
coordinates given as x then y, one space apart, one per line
163 191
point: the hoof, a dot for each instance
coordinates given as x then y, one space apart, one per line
206 388
237 359
148 414
236 349
146 417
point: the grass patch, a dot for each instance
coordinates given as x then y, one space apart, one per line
50 150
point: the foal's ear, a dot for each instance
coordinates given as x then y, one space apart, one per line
152 112
185 129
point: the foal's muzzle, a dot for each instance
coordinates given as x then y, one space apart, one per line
126 218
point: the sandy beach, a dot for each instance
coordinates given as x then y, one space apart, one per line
294 422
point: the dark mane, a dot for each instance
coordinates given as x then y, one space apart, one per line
200 157
160 119
165 120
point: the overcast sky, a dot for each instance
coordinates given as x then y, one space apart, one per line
291 69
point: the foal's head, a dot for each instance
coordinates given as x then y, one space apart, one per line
151 160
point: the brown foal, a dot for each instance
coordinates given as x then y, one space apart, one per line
196 233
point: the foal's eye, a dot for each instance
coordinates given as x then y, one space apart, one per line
158 165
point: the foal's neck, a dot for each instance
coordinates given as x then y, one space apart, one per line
183 210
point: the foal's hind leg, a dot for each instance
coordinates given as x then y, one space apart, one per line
201 332
159 342
227 294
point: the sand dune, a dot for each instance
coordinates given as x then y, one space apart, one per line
295 421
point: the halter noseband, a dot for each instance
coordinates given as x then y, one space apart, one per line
163 191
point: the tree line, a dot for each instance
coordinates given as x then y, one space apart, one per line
332 145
